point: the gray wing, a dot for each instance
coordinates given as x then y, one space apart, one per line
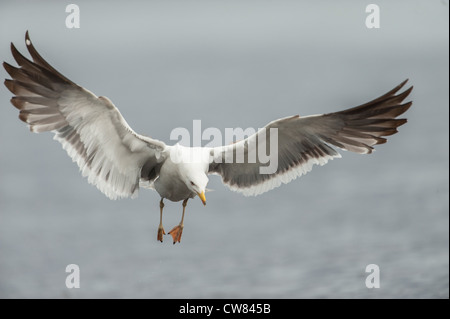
305 141
90 128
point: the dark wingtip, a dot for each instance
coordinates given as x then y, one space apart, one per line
23 117
398 87
9 84
400 122
17 55
28 40
40 61
407 106
18 104
410 89
8 67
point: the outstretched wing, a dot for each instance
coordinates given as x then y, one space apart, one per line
305 141
90 128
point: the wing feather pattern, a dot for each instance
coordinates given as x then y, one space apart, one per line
305 141
90 128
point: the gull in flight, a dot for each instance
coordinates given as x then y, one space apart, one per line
117 160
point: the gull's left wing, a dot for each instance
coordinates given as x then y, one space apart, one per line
91 129
305 141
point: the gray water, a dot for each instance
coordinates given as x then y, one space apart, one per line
234 64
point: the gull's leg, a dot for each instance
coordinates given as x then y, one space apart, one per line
178 230
161 231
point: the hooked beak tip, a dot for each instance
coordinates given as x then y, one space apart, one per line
202 197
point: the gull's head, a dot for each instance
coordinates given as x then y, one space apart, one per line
196 180
192 164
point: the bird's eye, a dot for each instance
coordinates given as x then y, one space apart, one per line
192 183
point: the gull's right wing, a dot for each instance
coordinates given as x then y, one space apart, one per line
91 129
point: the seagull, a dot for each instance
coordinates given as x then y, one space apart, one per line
118 161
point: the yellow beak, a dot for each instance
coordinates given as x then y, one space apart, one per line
202 197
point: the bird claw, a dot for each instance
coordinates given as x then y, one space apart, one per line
176 233
161 232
